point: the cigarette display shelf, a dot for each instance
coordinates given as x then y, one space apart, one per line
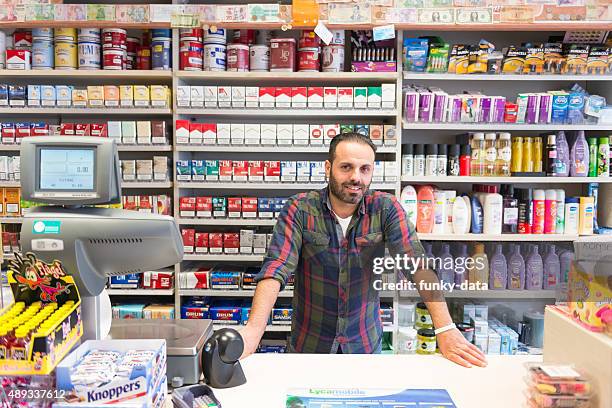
352 77
12 183
267 149
86 111
86 74
11 220
415 76
227 221
500 237
146 184
224 257
494 127
505 180
269 328
491 294
144 148
139 292
269 186
9 147
295 113
248 293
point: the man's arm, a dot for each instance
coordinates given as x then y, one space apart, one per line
265 296
401 238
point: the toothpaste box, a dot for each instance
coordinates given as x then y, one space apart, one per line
388 96
268 134
237 133
238 97
224 96
303 171
267 97
330 97
316 135
272 171
225 315
265 207
391 171
182 131
259 243
195 133
198 170
374 97
194 279
360 97
389 135
226 170
256 171
251 95
48 95
210 96
241 170
288 171
209 133
376 134
234 207
34 95
329 132
301 134
187 207
212 170
183 96
252 134
188 240
196 96
224 132
246 243
249 207
299 97
283 97
378 176
203 207
282 315
315 97
284 134
201 242
183 170
317 171
215 242
219 207
231 243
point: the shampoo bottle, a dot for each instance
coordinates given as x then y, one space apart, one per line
493 213
480 272
550 211
539 198
468 205
592 141
565 262
572 215
461 271
498 270
560 227
579 158
552 269
447 266
451 196
534 270
408 199
603 157
477 216
516 269
425 209
460 217
563 154
510 210
587 215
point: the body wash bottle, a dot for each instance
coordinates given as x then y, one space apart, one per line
516 269
480 272
425 209
408 199
477 216
492 212
579 157
565 262
552 269
560 224
534 270
460 217
447 269
461 271
563 154
498 270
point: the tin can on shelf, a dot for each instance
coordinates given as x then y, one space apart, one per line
89 33
259 58
42 34
65 55
238 57
282 54
215 37
426 341
308 59
160 55
193 34
246 37
42 54
190 60
143 58
89 55
214 57
308 39
113 59
161 33
114 37
66 34
333 58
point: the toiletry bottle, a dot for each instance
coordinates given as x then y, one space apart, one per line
593 191
528 158
431 160
493 212
468 205
451 196
579 166
603 158
453 160
563 154
425 209
552 269
460 217
447 269
592 141
480 272
461 271
610 149
504 155
587 214
498 270
560 223
510 210
525 213
478 152
565 263
572 215
517 154
551 156
439 211
465 161
408 160
408 199
538 156
539 198
516 269
490 154
477 215
441 166
534 270
419 160
550 211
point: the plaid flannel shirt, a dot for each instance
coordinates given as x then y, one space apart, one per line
334 301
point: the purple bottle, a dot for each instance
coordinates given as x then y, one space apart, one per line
565 261
461 273
552 269
498 269
579 158
516 269
446 272
430 256
534 269
563 155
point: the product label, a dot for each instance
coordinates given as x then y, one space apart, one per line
491 154
46 227
552 154
505 154
510 216
427 345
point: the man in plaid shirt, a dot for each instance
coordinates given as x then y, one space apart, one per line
329 239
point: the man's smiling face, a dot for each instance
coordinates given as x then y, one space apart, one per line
350 173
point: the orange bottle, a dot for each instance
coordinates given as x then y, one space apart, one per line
425 209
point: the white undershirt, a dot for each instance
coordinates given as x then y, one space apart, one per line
344 223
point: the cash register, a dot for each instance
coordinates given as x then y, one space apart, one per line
71 175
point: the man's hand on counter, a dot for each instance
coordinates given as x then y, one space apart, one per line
457 349
251 337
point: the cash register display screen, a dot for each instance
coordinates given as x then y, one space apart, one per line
67 169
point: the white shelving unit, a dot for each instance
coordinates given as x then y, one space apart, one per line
295 113
146 184
87 74
506 180
290 76
415 76
86 111
268 186
267 149
140 292
501 126
144 148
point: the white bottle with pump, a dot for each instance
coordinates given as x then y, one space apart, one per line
408 200
460 216
493 208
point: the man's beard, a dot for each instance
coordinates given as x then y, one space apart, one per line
342 194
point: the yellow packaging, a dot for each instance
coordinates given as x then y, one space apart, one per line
79 97
577 58
126 95
528 155
517 154
141 95
111 96
2 213
12 198
514 60
537 154
160 96
586 215
95 95
459 59
534 62
597 63
65 55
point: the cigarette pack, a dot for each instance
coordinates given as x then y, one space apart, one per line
204 207
196 96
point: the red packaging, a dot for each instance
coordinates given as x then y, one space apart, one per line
244 36
191 45
308 38
234 207
39 129
215 242
191 33
181 131
201 242
22 39
282 54
8 131
22 130
309 59
267 96
231 242
130 203
113 59
272 170
195 133
226 170
187 206
157 280
190 60
511 112
256 170
249 207
82 129
6 242
283 97
241 170
204 207
145 203
200 277
99 129
67 129
238 57
143 58
188 240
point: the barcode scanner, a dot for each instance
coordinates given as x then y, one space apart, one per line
220 359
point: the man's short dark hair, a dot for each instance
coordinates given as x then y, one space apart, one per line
348 137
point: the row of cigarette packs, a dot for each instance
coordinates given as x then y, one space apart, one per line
110 96
231 207
223 277
154 204
243 242
231 313
146 170
10 168
10 202
146 280
311 97
272 171
10 242
141 311
270 134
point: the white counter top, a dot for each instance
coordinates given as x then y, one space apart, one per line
269 377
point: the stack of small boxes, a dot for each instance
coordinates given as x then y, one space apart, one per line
231 207
10 168
10 202
244 242
490 335
154 204
146 170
